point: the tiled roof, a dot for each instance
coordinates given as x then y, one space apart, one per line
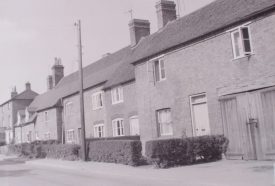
116 68
25 95
94 74
216 15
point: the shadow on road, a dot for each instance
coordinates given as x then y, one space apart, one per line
13 173
12 161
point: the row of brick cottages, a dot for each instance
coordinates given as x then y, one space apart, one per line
210 72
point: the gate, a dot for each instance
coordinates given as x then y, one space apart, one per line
249 124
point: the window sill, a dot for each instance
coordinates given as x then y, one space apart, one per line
99 108
115 103
242 57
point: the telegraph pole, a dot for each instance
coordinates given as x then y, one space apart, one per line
82 119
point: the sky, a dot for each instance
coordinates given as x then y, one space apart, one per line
34 32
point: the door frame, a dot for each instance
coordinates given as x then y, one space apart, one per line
133 117
192 111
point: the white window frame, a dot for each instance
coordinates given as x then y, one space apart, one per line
160 124
67 105
117 95
29 136
48 136
97 132
242 51
161 70
70 136
118 130
46 116
96 100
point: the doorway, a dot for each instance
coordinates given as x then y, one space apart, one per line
200 117
249 124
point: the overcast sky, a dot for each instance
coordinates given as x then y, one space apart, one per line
34 32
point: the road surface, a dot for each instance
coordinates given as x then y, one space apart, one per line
16 172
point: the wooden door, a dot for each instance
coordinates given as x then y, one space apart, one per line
200 118
134 126
249 124
266 126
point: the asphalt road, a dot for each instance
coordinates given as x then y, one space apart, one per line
16 172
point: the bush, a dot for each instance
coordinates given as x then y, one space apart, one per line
126 152
209 148
62 151
43 149
172 152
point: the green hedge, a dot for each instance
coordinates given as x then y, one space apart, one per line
62 151
126 152
45 149
172 152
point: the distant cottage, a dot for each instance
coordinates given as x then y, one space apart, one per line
209 72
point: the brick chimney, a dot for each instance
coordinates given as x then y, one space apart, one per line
50 82
166 11
13 92
28 86
138 28
57 71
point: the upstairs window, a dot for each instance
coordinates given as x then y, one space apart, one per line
159 70
118 127
241 41
99 131
164 122
117 95
46 116
68 108
97 100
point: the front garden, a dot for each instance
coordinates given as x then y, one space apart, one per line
162 153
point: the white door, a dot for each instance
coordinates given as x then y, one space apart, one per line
134 126
200 118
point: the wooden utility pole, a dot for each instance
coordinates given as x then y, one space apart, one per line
82 119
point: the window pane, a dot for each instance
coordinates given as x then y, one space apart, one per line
245 33
165 122
246 39
236 37
162 69
157 75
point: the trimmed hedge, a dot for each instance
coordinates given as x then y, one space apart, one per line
45 149
172 152
62 151
126 152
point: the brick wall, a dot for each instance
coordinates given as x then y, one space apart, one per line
125 110
206 67
52 125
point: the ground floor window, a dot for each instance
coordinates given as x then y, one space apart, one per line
29 136
118 127
70 136
99 131
47 136
164 122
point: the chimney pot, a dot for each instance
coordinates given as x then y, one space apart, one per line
138 28
50 82
13 92
28 86
166 11
57 71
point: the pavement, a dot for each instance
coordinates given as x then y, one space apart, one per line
14 171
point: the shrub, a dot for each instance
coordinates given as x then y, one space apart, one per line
209 148
62 151
172 152
168 152
126 152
